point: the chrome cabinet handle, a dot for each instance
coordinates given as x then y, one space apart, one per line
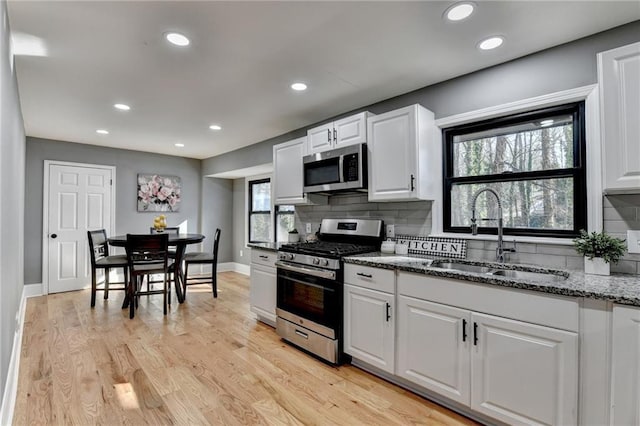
464 330
329 135
335 135
413 178
360 274
475 334
262 256
388 312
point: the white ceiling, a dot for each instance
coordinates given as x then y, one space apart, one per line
244 56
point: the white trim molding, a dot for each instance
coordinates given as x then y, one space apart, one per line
45 210
11 385
240 268
589 94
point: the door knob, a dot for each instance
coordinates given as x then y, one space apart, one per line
54 236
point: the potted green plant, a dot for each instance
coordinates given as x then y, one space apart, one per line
599 251
294 237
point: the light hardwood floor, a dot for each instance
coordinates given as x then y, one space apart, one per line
207 362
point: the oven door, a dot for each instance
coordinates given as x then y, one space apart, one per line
307 293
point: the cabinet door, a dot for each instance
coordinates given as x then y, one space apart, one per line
288 172
369 326
619 78
523 373
626 366
350 130
433 347
392 146
262 293
320 138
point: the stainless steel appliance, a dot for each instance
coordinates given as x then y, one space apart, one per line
310 284
341 169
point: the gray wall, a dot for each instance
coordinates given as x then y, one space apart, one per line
217 196
560 68
12 160
239 223
128 164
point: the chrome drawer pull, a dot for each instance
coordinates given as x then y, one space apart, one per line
364 275
301 334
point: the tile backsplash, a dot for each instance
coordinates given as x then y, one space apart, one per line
621 212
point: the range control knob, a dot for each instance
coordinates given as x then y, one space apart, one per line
291 256
325 262
316 261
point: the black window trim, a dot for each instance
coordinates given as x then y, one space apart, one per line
578 171
250 209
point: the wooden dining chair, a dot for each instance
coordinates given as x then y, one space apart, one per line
203 258
100 259
146 255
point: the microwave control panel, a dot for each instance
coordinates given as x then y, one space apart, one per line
350 164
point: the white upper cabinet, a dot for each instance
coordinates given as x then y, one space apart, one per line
351 130
405 155
619 79
288 179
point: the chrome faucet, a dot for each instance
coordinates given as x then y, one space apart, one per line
500 250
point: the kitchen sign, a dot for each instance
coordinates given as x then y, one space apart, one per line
432 246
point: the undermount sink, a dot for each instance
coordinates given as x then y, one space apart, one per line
507 273
527 275
464 267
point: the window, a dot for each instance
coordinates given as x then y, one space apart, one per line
260 218
285 222
260 211
535 161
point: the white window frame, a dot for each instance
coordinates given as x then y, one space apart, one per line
590 95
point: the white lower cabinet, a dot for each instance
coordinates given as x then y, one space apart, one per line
433 347
523 374
262 290
369 326
509 370
625 389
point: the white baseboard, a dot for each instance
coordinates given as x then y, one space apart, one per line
222 267
11 385
234 267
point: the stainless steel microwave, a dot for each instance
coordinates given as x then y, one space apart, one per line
341 169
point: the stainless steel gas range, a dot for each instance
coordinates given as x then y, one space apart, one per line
310 284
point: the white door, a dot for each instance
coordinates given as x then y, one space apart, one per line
351 130
392 149
320 138
288 172
369 326
262 292
79 199
626 366
523 374
433 347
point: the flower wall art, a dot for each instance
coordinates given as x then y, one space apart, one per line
158 193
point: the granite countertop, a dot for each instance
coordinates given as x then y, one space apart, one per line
265 246
618 288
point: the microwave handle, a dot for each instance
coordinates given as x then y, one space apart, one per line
341 167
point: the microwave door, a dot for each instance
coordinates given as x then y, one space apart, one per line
319 175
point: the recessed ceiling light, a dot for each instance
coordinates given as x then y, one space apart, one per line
459 11
102 131
299 86
179 145
177 39
215 127
122 107
491 43
546 123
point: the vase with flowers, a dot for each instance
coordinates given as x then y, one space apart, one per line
599 251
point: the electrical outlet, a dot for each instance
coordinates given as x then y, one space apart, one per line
308 228
241 253
633 241
391 231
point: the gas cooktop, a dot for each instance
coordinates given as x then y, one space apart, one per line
328 248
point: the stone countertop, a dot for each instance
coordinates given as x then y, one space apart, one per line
618 288
265 246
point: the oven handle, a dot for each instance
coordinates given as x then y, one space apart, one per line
331 275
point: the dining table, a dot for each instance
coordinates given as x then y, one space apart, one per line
180 242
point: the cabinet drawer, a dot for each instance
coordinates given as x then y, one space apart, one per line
369 277
264 257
